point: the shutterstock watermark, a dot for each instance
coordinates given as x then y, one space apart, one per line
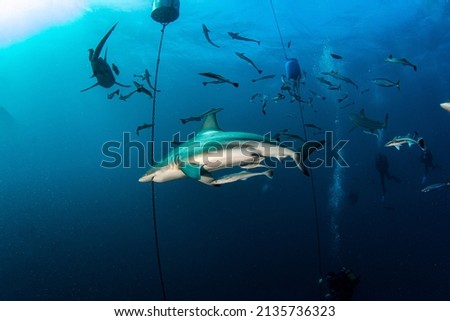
224 152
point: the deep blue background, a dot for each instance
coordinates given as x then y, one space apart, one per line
72 230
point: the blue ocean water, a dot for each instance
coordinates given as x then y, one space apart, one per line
72 230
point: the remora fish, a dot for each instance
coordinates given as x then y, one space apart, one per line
141 89
243 57
124 98
285 132
317 95
201 116
340 100
435 187
335 56
143 126
397 141
111 95
401 61
213 149
100 68
324 81
369 126
218 77
337 75
313 126
334 87
241 176
146 77
206 33
263 77
383 82
254 96
347 105
278 97
215 82
235 35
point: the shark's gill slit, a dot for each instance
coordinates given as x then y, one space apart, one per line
163 12
294 75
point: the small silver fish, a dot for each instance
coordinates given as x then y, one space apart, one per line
435 187
383 82
144 126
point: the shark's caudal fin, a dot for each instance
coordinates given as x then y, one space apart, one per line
303 155
385 120
102 42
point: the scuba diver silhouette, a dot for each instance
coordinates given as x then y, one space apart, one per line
340 285
382 166
427 160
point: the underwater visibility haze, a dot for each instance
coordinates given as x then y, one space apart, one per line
373 74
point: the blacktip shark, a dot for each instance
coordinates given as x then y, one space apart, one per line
368 125
409 139
100 67
401 61
213 149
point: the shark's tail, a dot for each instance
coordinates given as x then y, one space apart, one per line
302 156
385 120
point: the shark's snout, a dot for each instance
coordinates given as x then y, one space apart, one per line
146 178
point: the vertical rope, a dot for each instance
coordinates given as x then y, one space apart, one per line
152 149
314 196
316 211
279 32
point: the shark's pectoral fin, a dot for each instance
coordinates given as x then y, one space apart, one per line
119 84
89 87
191 170
206 177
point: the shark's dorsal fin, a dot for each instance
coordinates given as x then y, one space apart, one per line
210 122
362 113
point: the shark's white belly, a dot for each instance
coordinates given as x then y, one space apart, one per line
238 155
